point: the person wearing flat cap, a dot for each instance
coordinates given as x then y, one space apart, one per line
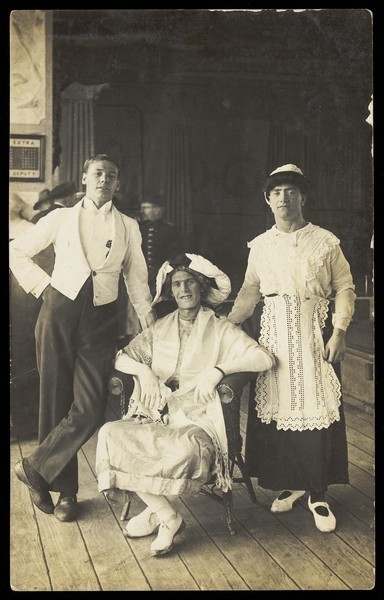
296 438
160 240
58 197
76 330
173 434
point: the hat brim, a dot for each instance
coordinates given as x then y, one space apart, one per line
286 177
39 203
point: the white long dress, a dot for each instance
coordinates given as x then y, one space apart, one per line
179 457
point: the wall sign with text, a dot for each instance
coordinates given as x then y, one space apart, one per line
26 158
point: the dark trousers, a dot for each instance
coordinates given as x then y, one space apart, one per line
75 346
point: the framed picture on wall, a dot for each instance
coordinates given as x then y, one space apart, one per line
26 157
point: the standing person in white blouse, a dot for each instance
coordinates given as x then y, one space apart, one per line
296 439
76 330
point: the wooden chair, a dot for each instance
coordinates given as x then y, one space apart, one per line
229 388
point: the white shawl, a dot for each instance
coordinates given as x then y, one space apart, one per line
211 341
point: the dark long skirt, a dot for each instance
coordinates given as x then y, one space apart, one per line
296 460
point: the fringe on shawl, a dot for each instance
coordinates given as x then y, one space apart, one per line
221 463
221 468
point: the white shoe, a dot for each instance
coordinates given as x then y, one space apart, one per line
327 523
143 524
285 505
167 531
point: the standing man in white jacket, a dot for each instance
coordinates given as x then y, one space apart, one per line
76 331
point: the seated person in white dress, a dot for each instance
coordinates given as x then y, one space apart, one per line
176 363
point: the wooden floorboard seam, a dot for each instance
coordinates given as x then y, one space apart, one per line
88 554
40 540
201 526
359 490
339 535
117 519
353 542
212 540
315 552
266 550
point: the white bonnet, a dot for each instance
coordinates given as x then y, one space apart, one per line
217 293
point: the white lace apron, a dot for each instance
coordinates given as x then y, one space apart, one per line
302 391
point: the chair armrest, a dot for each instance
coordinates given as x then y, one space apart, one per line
120 386
119 382
230 388
232 385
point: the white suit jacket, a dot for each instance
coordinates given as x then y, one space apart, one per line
71 269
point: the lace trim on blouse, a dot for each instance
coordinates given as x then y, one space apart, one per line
316 251
286 258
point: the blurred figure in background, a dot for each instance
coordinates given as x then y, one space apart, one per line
61 196
134 211
161 240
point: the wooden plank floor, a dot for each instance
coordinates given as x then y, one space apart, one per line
268 552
